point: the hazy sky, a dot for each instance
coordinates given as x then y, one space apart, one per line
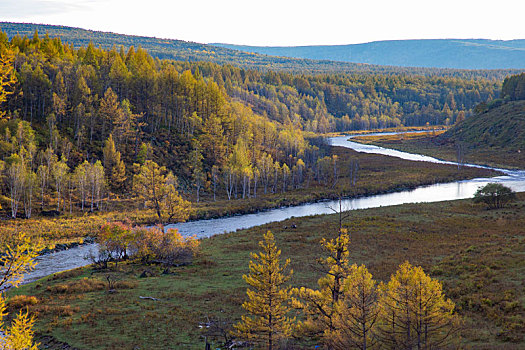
280 22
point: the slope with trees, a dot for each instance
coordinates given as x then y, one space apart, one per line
193 52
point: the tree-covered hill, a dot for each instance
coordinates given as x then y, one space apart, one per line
316 102
217 127
498 124
193 52
500 127
440 53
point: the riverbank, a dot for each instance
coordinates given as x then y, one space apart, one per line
431 145
377 174
476 253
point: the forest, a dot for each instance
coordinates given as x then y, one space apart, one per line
195 52
79 122
84 126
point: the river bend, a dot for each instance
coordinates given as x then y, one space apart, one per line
515 179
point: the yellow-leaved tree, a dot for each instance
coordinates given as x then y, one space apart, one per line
267 322
17 259
414 312
7 76
114 167
320 305
356 314
156 186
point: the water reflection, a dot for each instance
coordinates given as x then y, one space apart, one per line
433 193
515 179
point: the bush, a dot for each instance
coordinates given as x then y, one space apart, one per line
169 247
115 238
494 195
20 301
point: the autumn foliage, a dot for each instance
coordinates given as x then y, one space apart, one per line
349 310
119 241
267 321
17 259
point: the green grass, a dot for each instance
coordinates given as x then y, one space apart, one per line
494 138
477 253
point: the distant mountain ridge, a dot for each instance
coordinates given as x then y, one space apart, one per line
190 51
436 53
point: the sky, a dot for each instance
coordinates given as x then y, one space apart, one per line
280 22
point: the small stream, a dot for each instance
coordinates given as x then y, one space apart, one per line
515 179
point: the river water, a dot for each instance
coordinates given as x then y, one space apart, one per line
515 179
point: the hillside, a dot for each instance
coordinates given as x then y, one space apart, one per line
440 53
501 127
194 52
495 137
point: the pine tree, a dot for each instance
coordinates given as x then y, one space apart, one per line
267 322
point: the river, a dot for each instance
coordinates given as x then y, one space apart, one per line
515 179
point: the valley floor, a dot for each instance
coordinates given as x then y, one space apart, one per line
476 253
429 144
376 174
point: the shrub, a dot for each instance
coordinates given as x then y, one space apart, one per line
20 301
494 195
169 247
115 238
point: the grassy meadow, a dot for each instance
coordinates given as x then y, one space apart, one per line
431 144
477 253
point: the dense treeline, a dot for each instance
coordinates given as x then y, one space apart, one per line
196 52
323 103
320 103
91 115
514 87
226 130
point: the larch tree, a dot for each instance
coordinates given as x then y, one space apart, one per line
18 259
108 112
113 165
267 321
156 187
7 77
415 313
320 306
356 316
124 125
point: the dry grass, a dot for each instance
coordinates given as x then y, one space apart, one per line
477 254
